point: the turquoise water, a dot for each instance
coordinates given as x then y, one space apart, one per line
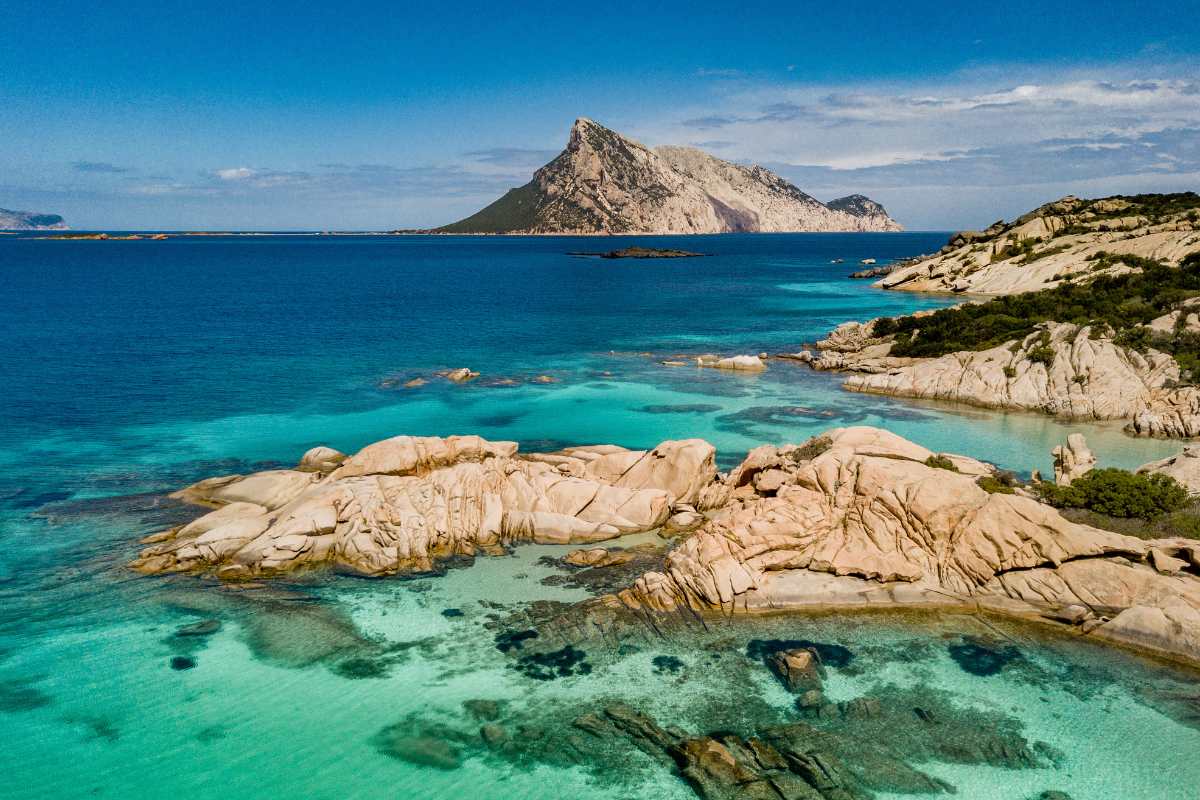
132 368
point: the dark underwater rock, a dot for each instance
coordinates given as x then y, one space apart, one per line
361 668
17 696
514 640
483 709
181 663
205 627
493 735
831 655
799 670
667 665
398 741
981 658
561 663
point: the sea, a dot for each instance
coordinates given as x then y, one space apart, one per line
133 368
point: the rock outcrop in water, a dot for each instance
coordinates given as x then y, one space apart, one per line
604 182
857 517
1054 243
30 221
1067 371
403 504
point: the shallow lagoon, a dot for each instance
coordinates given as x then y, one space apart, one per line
135 368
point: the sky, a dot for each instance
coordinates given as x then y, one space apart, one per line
373 115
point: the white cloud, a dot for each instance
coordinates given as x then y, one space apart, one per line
235 173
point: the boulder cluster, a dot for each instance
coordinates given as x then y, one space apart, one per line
856 517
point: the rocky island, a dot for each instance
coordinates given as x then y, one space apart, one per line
30 221
606 183
642 252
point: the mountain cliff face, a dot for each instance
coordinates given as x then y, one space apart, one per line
29 221
606 183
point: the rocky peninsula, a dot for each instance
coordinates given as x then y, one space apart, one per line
1055 243
1098 327
854 518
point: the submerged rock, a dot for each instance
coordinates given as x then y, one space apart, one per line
800 670
562 663
426 751
979 658
205 627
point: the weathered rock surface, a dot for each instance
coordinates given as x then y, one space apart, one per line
854 517
1052 244
1088 376
604 182
405 503
864 521
1183 467
1072 460
746 363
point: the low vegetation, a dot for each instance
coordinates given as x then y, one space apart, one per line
1118 493
1002 482
1119 304
940 462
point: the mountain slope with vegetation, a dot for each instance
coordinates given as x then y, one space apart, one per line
1057 243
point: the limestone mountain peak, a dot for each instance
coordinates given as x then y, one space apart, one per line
605 182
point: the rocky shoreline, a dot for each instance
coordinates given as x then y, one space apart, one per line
1050 244
1066 371
857 517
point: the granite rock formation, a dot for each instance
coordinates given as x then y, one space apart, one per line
1064 370
406 503
1054 243
860 519
857 517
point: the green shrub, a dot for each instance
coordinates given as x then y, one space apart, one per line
1042 354
1118 493
884 326
1182 524
940 462
1120 303
1003 482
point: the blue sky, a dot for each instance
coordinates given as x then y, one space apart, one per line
365 115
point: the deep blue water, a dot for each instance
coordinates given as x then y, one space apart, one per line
132 368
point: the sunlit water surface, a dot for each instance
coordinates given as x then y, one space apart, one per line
133 368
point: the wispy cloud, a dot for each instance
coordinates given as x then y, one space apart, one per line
99 167
1061 130
512 156
337 180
